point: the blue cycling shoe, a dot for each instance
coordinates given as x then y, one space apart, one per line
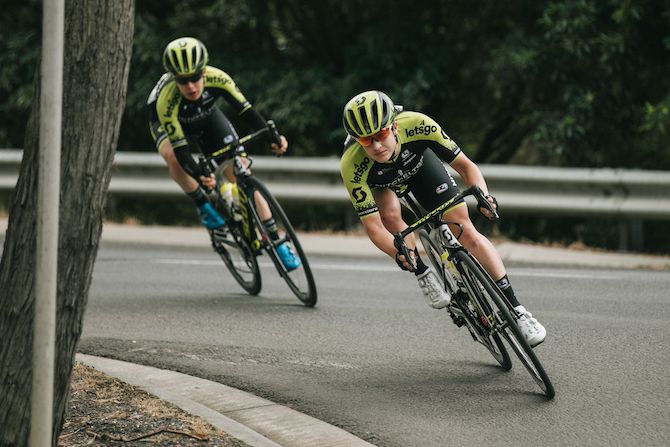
209 217
288 257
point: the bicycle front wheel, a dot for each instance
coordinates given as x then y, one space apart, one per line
299 279
501 319
479 332
238 257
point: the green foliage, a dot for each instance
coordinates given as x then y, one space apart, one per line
562 82
19 48
548 82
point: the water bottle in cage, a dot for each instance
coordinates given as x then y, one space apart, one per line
230 197
226 190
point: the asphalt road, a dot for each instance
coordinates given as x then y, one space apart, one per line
373 359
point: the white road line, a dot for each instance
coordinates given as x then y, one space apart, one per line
391 268
562 275
314 266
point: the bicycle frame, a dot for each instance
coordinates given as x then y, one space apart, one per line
241 172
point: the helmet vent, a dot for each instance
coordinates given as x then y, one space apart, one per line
353 123
375 115
365 121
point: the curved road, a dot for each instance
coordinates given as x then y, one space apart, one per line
373 359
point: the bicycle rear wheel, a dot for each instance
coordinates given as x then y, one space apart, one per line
503 322
478 330
300 280
238 257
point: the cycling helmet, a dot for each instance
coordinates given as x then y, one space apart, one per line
185 56
367 113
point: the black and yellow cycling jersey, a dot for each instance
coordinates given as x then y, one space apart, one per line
419 138
157 132
187 123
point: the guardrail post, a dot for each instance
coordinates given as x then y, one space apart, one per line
631 235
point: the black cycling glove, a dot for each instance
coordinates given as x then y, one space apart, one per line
483 206
415 252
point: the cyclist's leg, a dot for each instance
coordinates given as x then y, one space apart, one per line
217 132
475 242
284 250
432 186
208 215
164 148
261 205
487 255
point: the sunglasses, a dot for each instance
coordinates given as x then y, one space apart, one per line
185 80
367 141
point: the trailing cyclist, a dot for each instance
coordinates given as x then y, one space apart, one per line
184 116
390 153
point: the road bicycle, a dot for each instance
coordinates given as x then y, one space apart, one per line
245 237
477 302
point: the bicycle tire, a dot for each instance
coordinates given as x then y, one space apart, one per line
300 280
506 324
238 257
482 335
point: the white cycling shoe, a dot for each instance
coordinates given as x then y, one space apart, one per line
432 290
532 330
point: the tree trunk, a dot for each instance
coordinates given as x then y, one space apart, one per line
98 45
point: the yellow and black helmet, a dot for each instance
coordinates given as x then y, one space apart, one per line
185 56
367 113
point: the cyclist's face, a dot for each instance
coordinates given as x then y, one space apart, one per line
382 145
191 90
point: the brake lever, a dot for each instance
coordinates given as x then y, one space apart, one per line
483 202
399 243
275 138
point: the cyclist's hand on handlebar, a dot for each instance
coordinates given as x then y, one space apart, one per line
404 263
493 204
209 182
280 148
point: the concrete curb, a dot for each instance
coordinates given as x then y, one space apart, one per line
256 421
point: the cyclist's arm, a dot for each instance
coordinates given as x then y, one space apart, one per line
167 112
469 172
225 86
378 234
471 175
221 82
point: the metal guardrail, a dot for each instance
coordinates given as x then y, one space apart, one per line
581 192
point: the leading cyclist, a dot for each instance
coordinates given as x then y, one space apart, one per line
389 153
183 115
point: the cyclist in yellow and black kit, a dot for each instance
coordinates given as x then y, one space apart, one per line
390 153
184 116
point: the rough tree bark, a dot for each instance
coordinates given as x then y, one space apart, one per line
98 45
